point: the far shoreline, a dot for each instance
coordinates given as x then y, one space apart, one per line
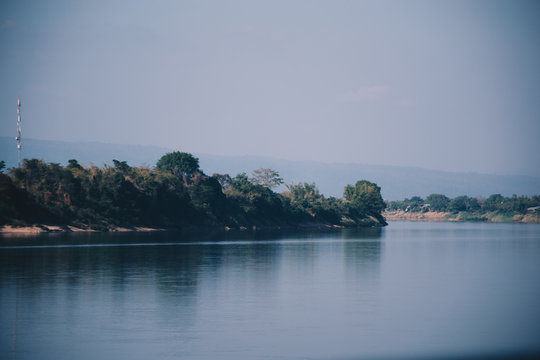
444 216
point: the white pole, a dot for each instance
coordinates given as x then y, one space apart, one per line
18 138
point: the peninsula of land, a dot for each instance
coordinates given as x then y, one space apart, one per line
175 194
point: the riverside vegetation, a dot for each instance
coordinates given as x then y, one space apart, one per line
495 208
174 194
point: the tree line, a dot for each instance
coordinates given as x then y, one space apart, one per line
494 203
176 193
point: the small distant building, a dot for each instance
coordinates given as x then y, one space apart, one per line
534 208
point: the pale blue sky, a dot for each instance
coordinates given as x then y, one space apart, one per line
448 85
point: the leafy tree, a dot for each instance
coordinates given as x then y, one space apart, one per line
365 197
2 165
266 177
437 202
122 166
209 200
305 200
416 200
178 163
459 203
463 203
16 203
74 164
307 203
494 202
304 194
473 204
223 179
241 183
259 204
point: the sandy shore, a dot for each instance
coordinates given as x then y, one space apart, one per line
400 215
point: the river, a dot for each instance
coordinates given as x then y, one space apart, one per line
410 290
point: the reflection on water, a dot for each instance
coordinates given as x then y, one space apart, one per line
395 292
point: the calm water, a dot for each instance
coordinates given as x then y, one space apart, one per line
407 291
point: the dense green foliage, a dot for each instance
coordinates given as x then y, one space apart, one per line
437 202
174 194
366 197
494 203
178 163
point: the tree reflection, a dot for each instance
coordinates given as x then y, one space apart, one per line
362 251
167 281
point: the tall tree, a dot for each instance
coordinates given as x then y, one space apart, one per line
365 196
179 163
266 177
437 202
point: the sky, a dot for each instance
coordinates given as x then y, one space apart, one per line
444 85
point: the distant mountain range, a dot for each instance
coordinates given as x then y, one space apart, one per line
396 182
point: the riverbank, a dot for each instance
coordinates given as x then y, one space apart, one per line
400 215
43 228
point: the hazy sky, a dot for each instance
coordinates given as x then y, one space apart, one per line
449 85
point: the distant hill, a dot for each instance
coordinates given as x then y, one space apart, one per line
396 182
